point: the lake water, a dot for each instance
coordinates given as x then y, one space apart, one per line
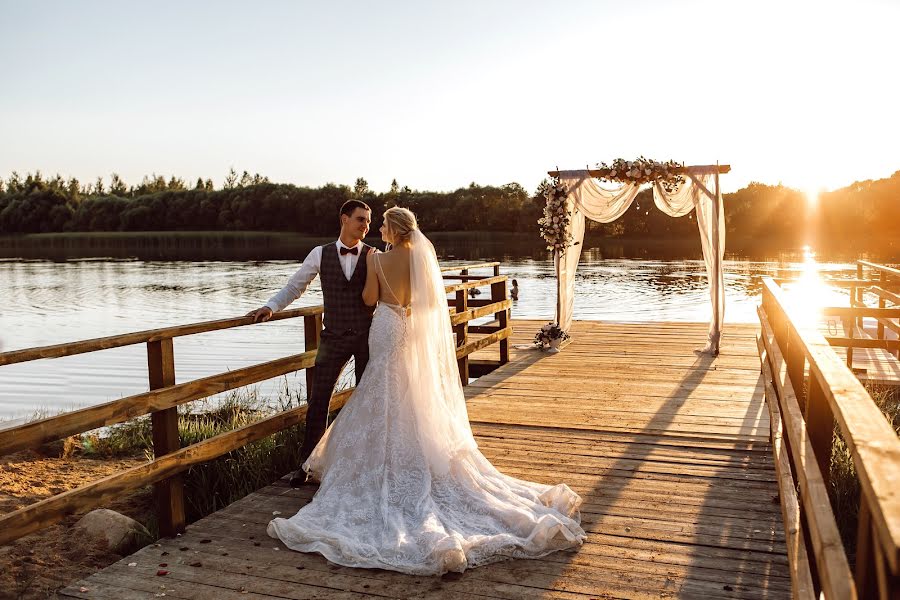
46 302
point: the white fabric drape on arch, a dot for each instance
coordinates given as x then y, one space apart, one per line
587 199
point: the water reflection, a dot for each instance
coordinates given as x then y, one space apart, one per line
256 246
54 302
808 294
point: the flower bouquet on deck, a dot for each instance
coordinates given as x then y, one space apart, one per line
549 337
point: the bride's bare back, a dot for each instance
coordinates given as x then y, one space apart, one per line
392 268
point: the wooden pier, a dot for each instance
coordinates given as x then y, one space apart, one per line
670 451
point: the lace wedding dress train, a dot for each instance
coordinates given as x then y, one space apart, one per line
403 484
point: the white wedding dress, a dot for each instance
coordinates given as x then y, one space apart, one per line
403 484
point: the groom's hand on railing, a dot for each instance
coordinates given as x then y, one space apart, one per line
260 314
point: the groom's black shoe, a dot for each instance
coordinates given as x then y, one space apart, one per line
300 478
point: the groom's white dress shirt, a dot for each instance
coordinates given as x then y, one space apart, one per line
311 267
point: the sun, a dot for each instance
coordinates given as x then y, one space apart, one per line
812 196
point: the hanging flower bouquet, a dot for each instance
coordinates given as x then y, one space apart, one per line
550 336
644 170
555 222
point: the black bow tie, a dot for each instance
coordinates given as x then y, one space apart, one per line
353 251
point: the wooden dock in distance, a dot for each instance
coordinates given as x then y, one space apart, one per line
670 451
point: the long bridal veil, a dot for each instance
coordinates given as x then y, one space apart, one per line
404 485
443 423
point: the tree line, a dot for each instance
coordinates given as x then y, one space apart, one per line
775 213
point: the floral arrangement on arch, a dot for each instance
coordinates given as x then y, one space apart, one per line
644 170
550 336
555 222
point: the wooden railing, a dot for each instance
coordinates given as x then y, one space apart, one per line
883 286
467 309
164 397
809 390
884 282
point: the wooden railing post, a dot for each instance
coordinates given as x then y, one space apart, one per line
853 321
796 363
820 426
882 303
777 319
462 335
856 293
169 493
872 575
498 294
864 573
312 330
769 305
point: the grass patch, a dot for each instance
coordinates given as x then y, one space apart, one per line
213 485
844 488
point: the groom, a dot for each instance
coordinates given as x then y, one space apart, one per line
346 320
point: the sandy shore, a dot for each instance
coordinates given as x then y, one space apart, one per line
36 565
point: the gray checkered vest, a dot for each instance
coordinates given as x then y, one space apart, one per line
344 307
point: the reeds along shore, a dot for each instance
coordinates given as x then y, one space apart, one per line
844 488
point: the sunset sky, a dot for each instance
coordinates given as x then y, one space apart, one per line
442 94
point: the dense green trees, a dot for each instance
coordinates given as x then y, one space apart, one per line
35 204
245 202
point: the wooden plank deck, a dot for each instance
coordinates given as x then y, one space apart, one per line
668 449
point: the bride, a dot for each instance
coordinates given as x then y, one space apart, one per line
403 484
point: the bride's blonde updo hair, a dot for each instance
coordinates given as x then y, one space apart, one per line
401 222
